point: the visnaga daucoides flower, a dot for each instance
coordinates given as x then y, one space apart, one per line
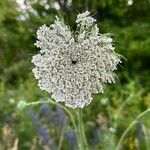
73 65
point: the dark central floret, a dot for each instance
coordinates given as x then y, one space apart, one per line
74 62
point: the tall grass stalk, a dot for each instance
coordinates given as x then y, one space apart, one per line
130 126
146 136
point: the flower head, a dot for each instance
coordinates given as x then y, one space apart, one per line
73 67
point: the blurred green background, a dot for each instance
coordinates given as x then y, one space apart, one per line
110 113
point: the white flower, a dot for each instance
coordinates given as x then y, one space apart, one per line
73 67
84 20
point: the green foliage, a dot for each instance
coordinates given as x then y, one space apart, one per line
110 113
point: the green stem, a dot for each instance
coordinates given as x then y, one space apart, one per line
79 135
83 145
83 131
146 135
62 136
81 138
52 102
130 126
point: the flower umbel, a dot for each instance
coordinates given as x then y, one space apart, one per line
73 67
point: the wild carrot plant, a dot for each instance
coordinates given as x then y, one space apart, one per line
73 65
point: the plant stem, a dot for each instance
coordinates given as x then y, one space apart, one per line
81 131
130 126
52 102
79 135
62 135
146 136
